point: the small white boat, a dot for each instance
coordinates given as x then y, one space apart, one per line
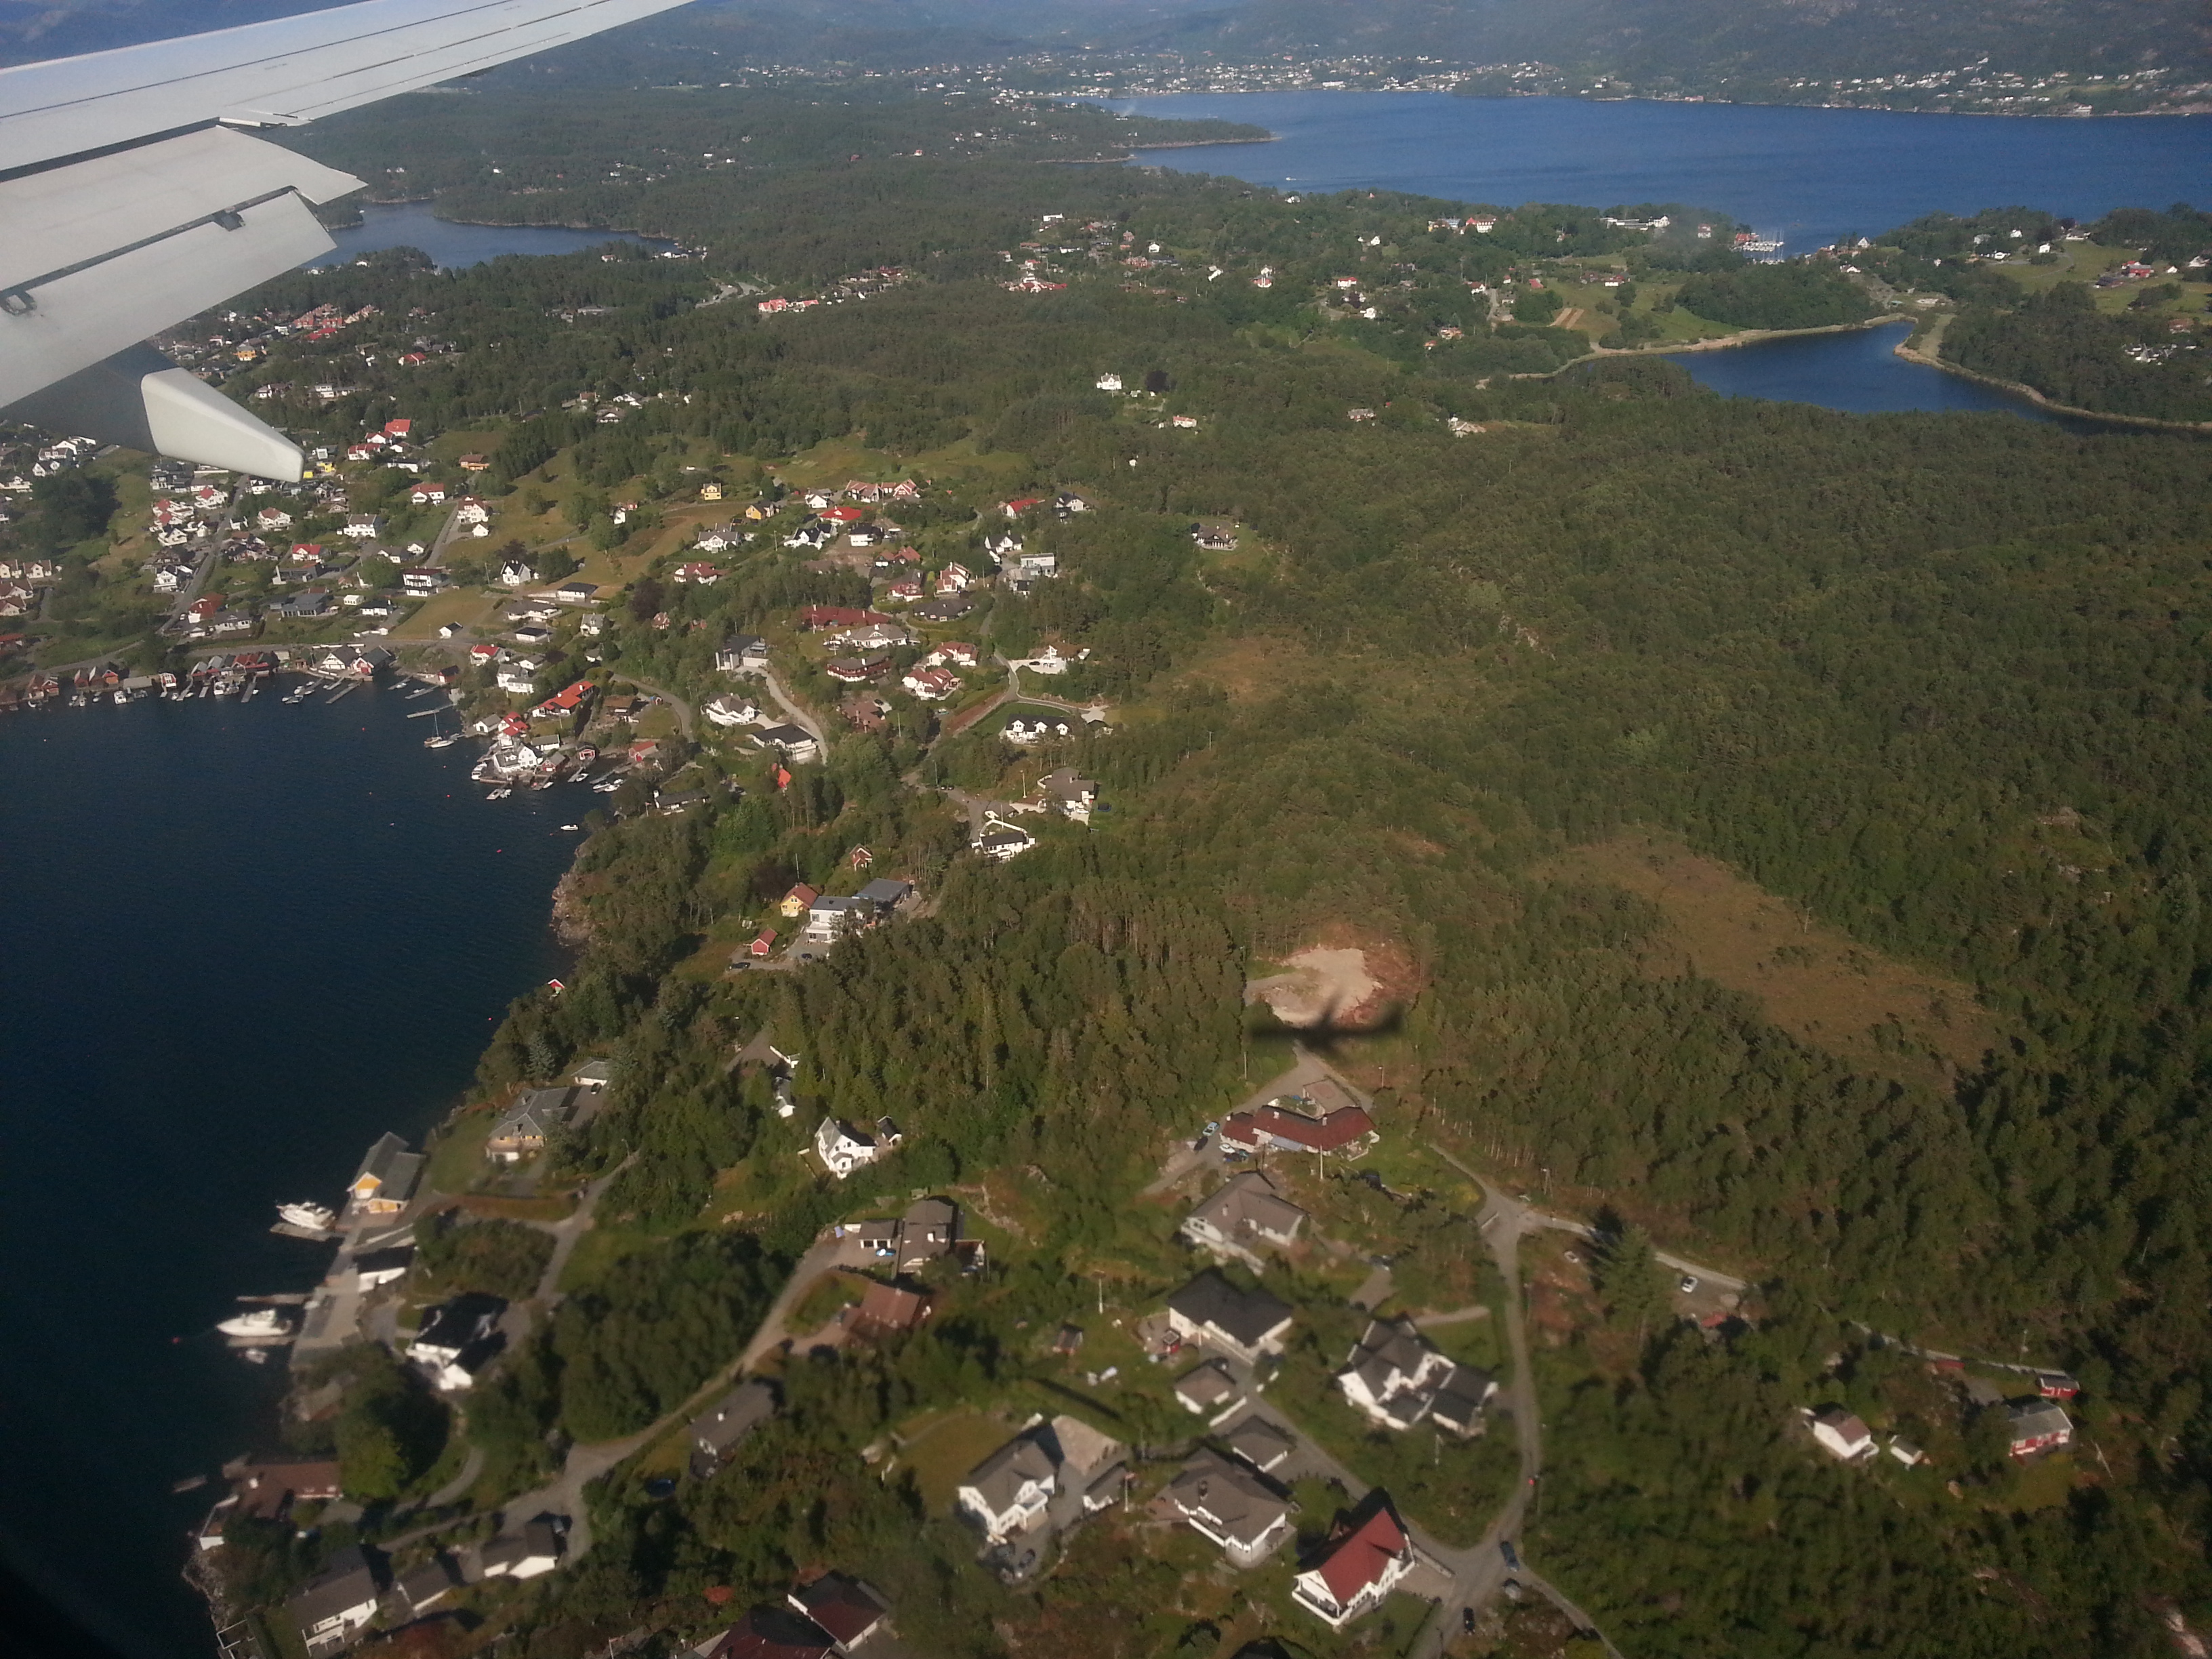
317 1216
262 1322
500 793
254 1356
445 742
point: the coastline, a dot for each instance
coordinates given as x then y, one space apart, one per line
1904 348
1725 342
1628 97
1912 353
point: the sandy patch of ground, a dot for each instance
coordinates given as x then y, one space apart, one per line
1326 985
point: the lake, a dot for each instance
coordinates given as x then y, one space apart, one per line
246 940
1858 371
1812 176
412 224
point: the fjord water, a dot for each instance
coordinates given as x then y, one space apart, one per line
1809 175
245 941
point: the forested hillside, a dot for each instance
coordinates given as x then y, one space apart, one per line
1392 619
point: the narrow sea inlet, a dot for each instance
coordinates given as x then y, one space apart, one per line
245 941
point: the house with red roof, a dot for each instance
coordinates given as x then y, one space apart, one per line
844 514
563 701
1014 509
1348 1131
398 429
1356 1569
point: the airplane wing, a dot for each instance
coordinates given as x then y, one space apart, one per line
133 196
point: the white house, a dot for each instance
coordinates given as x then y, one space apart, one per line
828 920
457 1339
1396 1379
1012 1491
1109 381
518 573
1002 841
1009 1491
337 1604
1841 1434
843 1148
518 675
930 684
728 710
1028 729
534 1553
794 743
741 654
1229 1506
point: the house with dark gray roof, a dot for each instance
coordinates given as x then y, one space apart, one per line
1259 1443
1212 1313
526 1125
1206 1389
1009 1490
1056 1472
929 1230
387 1176
1242 1217
339 1602
722 1427
1228 1504
1396 1379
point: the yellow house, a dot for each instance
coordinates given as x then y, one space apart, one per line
387 1177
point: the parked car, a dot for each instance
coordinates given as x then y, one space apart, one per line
1689 1284
1505 1549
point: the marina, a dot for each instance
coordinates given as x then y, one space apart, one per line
199 1116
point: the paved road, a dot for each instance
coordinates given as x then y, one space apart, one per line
817 1262
1014 691
567 1230
1478 1574
791 711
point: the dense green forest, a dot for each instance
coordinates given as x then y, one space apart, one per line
1938 680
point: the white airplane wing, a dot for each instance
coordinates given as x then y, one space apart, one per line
132 197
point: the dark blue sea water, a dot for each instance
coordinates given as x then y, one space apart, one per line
243 941
1812 176
412 224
